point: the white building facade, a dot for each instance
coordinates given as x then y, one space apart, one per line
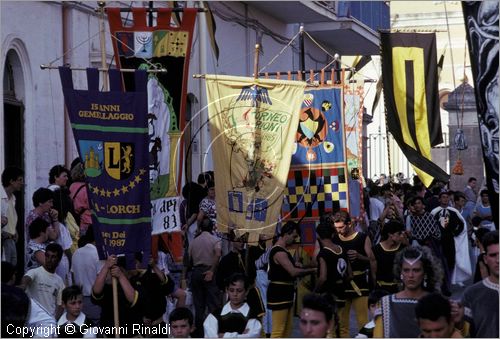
36 130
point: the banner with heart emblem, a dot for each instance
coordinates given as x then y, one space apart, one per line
317 181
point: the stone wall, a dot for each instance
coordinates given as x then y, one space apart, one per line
463 99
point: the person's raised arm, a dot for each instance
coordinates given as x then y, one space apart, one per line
101 277
40 257
130 293
53 229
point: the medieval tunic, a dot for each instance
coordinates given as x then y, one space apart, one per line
424 230
232 322
336 274
481 309
360 268
385 264
281 289
397 318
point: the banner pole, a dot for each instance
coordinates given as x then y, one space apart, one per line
102 4
116 315
102 39
256 62
388 148
255 76
100 69
302 59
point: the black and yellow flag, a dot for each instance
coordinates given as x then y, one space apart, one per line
410 78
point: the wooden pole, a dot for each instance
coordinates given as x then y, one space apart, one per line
100 69
256 62
302 59
388 148
255 76
103 45
116 315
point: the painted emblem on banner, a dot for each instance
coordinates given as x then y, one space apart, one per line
93 154
313 128
143 46
255 130
170 43
126 41
319 134
119 159
256 94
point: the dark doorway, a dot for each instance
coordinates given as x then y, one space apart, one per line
14 156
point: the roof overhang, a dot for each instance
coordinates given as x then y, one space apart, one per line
345 36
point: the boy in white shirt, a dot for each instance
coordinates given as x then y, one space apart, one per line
235 319
43 285
74 323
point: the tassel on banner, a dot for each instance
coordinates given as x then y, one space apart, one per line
458 169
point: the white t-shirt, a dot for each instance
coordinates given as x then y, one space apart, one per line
46 288
376 208
85 267
64 238
41 322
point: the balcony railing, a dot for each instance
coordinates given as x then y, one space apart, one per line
374 14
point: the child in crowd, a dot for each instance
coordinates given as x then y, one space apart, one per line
236 317
181 323
73 323
373 299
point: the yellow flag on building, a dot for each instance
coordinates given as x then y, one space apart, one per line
253 125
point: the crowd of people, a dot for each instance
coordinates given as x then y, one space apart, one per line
389 272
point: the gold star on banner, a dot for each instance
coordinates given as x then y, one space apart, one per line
137 179
108 194
124 189
116 192
103 192
95 190
142 171
131 184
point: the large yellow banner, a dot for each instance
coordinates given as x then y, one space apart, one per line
253 125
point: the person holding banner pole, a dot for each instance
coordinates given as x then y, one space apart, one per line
129 299
282 273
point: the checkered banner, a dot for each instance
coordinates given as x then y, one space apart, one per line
317 180
311 193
